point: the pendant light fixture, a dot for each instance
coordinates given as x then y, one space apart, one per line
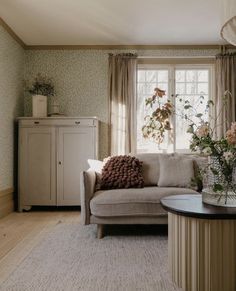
228 30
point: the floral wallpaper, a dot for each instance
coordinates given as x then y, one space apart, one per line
81 83
81 79
11 103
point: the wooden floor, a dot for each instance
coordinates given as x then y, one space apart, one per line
20 232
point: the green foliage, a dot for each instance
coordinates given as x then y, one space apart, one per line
40 86
199 115
214 171
218 188
187 106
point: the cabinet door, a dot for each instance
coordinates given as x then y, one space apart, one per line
37 173
75 146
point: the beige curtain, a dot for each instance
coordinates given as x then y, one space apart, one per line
225 90
122 94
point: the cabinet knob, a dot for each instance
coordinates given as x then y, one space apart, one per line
60 163
36 122
77 122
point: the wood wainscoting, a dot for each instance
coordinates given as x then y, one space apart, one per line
6 202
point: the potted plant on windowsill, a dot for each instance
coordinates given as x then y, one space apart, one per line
40 89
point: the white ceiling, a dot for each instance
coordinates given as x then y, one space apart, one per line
114 22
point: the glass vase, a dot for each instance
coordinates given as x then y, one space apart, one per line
226 197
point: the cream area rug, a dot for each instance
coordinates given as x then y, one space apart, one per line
70 257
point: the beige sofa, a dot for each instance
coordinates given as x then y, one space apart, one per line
127 206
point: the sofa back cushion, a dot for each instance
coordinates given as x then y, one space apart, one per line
150 169
200 166
175 171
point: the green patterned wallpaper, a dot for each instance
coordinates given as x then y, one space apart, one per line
81 80
11 102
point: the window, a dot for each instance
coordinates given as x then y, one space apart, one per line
188 81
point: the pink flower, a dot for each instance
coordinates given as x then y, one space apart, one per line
233 128
202 130
231 134
231 137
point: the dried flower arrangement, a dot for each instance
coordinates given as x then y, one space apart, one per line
158 122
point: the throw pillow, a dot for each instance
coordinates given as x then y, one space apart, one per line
150 168
122 172
200 165
95 165
175 171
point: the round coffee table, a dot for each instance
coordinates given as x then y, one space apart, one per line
201 244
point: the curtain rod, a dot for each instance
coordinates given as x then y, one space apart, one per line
226 54
124 55
176 57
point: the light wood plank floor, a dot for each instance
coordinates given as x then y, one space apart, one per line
20 232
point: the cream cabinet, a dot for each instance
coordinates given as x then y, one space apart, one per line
52 154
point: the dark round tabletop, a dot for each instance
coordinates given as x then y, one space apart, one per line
191 205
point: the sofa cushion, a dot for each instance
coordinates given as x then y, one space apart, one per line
175 171
200 166
150 169
122 172
133 202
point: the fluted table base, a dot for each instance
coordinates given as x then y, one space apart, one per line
202 253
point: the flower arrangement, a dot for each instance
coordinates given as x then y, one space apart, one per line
222 152
40 86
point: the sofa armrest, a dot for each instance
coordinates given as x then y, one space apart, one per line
88 181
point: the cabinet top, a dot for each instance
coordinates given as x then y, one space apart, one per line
56 117
57 121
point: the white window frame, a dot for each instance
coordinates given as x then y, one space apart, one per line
171 87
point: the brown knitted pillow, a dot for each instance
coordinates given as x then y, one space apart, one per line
122 172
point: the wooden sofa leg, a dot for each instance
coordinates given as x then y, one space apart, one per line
100 231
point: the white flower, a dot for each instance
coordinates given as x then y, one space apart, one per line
207 151
145 131
228 156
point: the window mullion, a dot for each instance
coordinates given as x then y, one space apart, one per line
180 86
172 98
